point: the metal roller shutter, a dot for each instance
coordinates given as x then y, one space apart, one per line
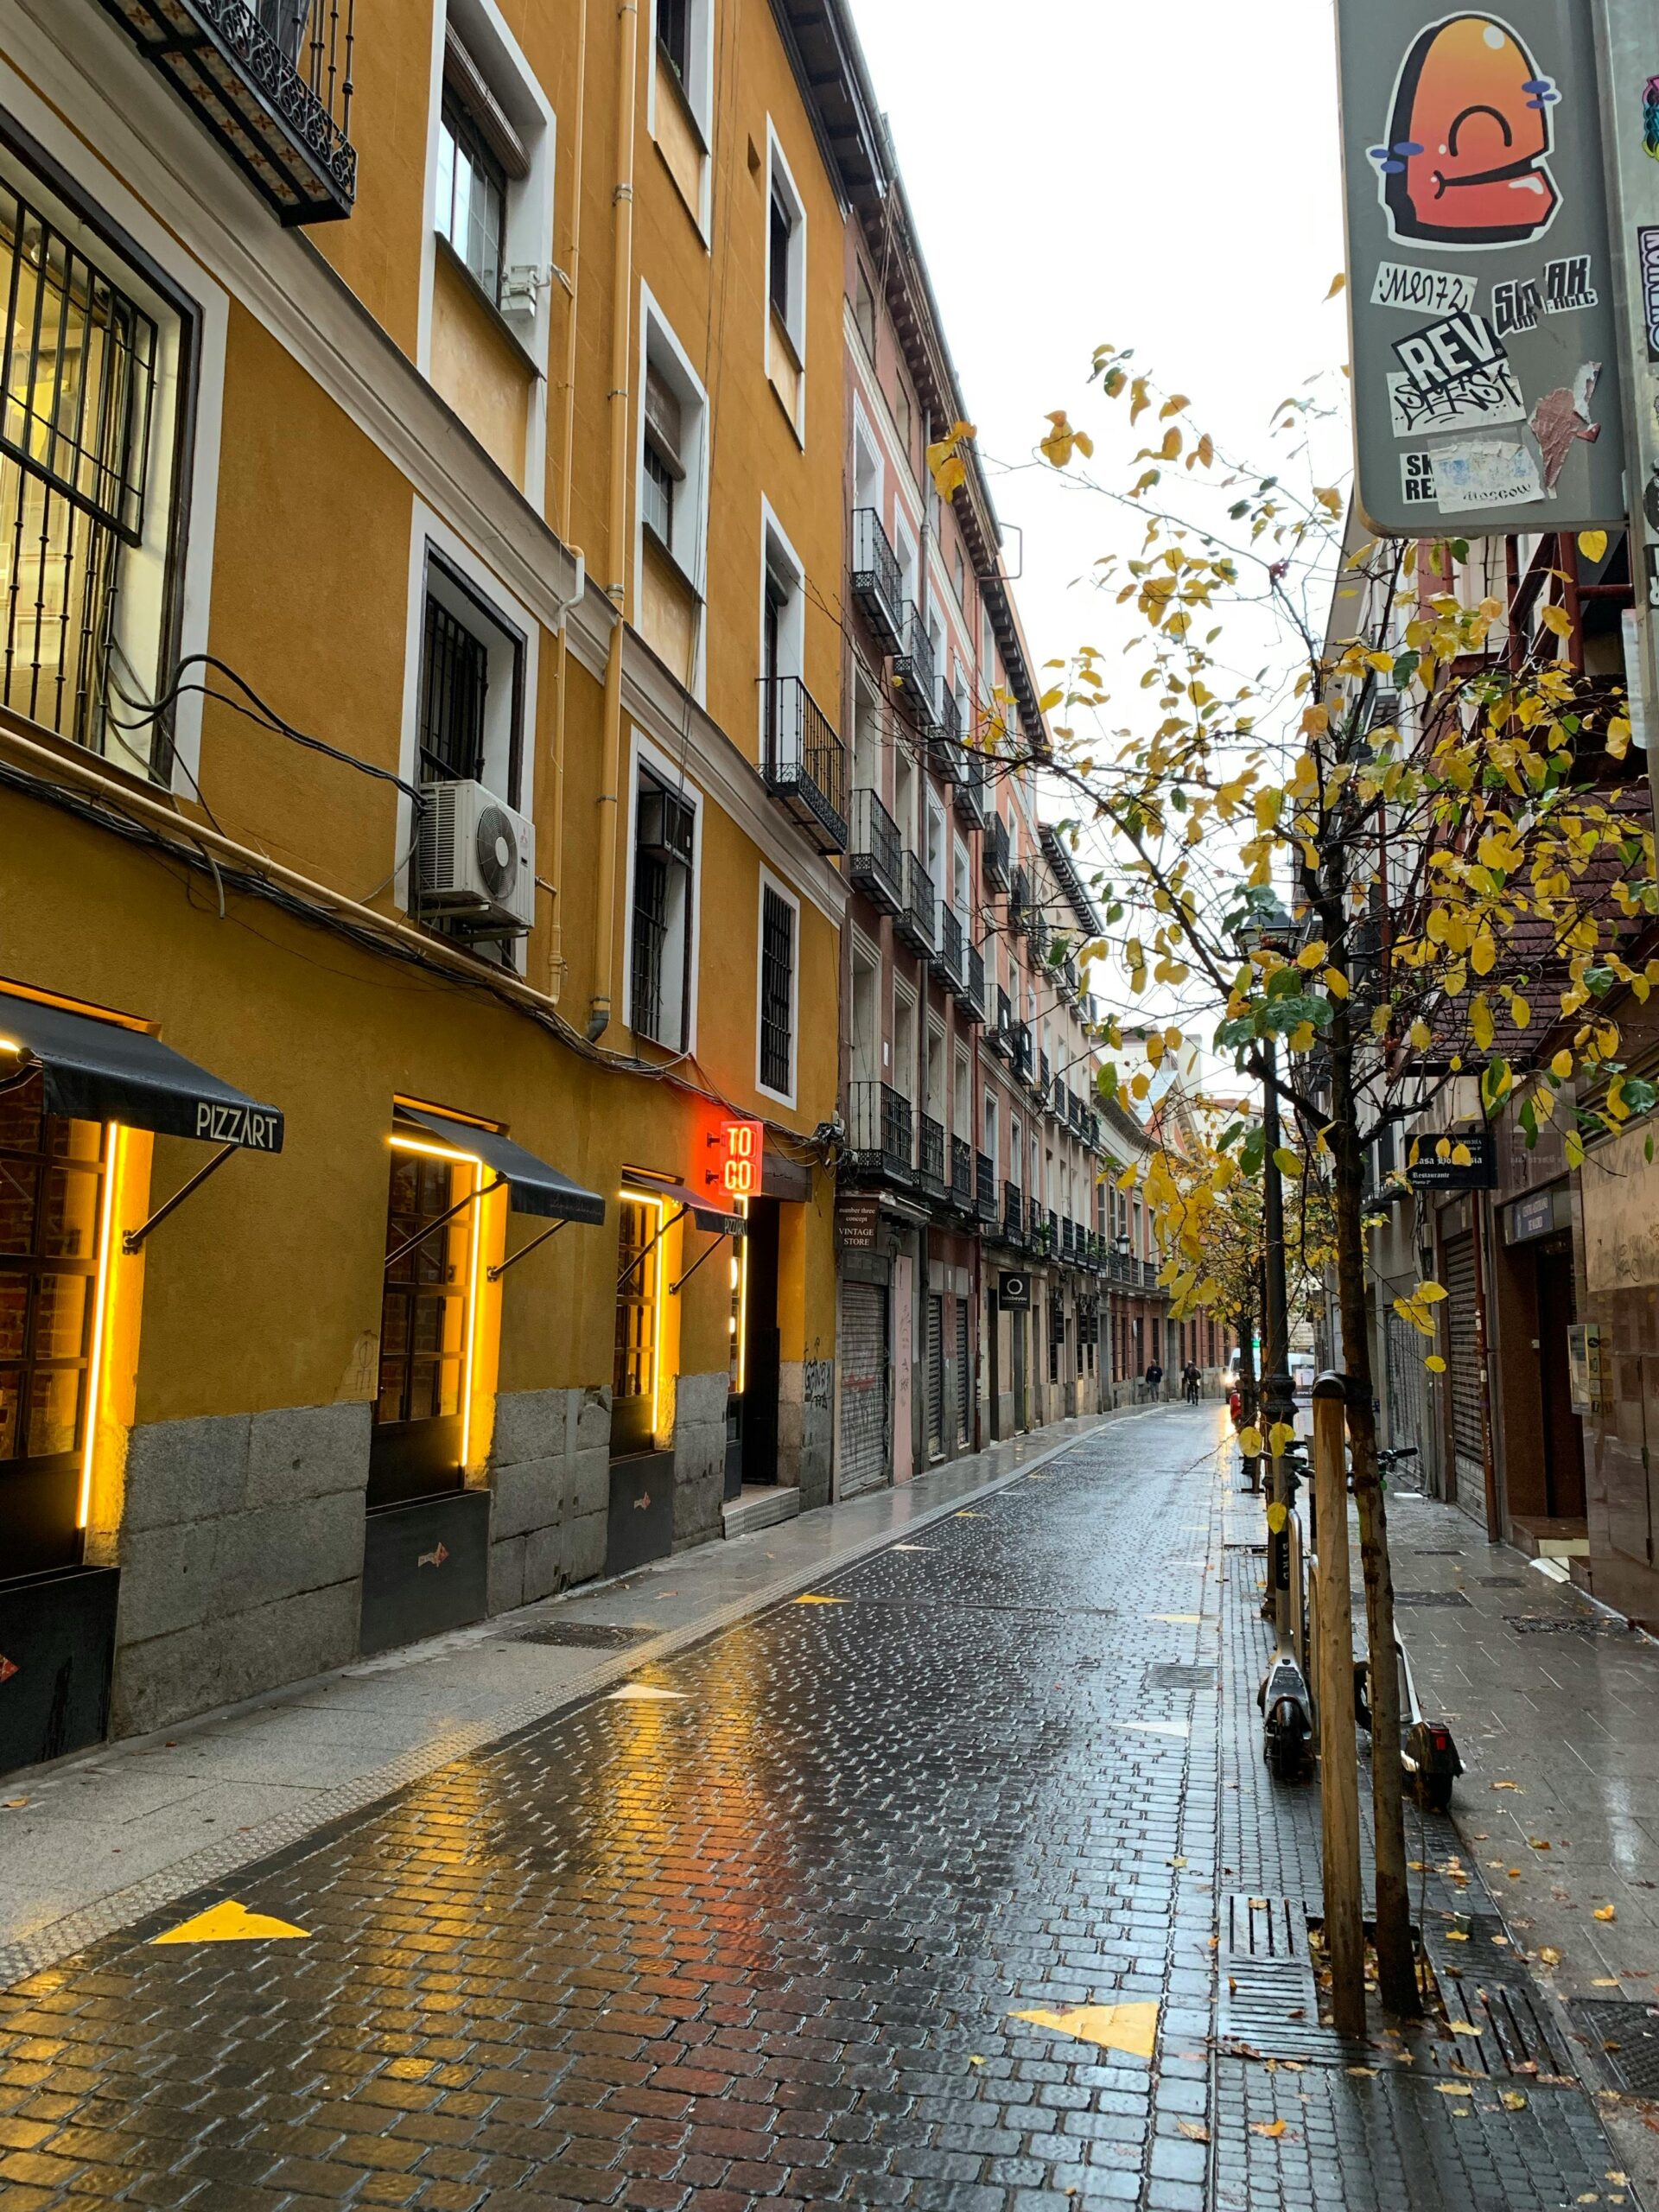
964 1376
863 1359
935 1375
1467 1384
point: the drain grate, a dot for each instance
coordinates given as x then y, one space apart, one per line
1269 2003
1623 2041
1429 1598
1484 1985
1427 1551
1499 1581
1178 1675
588 1636
1566 1624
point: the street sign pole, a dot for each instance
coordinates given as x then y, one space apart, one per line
1627 59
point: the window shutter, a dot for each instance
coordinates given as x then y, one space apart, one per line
663 418
468 83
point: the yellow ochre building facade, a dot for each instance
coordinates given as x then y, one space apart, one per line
421 798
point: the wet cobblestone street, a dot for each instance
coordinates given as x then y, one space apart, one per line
755 1929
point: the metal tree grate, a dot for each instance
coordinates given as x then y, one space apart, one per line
1484 1985
1429 1598
1178 1675
1269 2001
586 1635
1566 1624
1499 1581
1623 2041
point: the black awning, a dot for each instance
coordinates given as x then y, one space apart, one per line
97 1072
706 1212
532 1185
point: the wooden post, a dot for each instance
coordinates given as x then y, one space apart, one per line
1334 1675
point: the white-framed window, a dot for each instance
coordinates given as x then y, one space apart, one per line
672 469
904 1039
904 544
961 886
866 1039
685 30
869 471
864 307
471 719
867 736
778 989
664 878
782 639
786 249
988 1128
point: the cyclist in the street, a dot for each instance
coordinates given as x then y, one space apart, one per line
1192 1383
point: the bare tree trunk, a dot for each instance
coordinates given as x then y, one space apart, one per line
1396 1966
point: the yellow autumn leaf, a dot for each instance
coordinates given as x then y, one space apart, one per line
1605 1912
1481 1026
1271 2128
1282 1434
1435 1364
1592 544
1250 1443
1420 1034
1562 1066
1339 283
1314 954
1286 1161
1335 983
1557 620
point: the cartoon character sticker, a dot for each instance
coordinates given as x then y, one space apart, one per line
1470 136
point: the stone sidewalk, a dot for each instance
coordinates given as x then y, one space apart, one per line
94 1841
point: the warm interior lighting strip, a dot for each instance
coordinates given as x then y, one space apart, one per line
100 1308
434 1151
743 1243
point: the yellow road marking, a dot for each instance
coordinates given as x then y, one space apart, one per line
1131 2028
814 1600
229 1922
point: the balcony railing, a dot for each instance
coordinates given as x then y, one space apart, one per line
912 664
951 960
971 997
945 745
875 853
879 1134
932 1135
875 578
918 921
805 761
273 84
1025 1064
961 1174
985 1186
1020 902
995 858
971 795
1042 1073
1000 1039
1014 1213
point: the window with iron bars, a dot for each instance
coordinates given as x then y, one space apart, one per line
455 680
81 360
650 938
777 991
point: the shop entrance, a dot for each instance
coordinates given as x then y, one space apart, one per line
756 1440
1563 1437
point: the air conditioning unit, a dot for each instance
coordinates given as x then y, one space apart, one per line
666 826
477 860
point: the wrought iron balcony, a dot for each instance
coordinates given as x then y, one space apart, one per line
984 1186
1020 902
961 1174
945 748
880 1146
971 997
932 1134
912 664
971 795
1149 1272
805 761
1025 1059
994 857
951 959
1042 1073
875 579
1014 1213
918 921
1067 1237
875 853
273 82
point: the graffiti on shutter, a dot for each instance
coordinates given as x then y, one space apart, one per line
1468 1384
863 1356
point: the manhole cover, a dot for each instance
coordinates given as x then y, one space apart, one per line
1429 1598
588 1636
1623 2040
1176 1675
1564 1624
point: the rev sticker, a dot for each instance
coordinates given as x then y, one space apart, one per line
1453 375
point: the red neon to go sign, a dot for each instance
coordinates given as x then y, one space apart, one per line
741 1148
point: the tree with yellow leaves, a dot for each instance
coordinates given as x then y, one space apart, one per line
1440 803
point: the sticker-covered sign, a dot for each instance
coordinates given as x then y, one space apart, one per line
1484 345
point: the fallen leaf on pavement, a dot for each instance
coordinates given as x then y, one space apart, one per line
1364 2073
1604 1981
1464 2028
972 2061
1550 1955
1273 2128
1512 2101
1618 2180
1455 2088
1536 1843
1509 1785
1605 1912
1515 1874
1457 1936
1194 2129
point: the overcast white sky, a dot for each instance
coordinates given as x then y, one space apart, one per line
1165 176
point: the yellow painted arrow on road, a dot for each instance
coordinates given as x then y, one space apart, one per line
229 1922
1130 2028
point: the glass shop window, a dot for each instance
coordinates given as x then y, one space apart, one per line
416 1450
633 1379
52 1174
